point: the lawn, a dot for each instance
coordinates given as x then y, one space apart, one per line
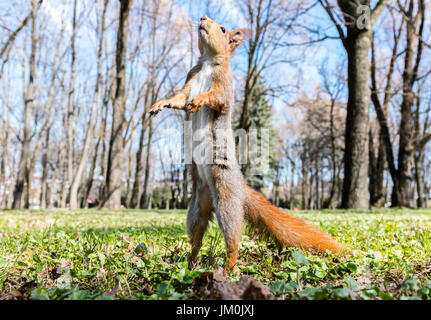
93 254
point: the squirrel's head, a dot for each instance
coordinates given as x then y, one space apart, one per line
216 40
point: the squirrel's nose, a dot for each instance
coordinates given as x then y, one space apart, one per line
203 18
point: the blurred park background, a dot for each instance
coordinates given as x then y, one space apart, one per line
344 89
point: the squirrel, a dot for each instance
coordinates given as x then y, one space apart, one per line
218 184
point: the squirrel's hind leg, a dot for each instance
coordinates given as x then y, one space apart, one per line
198 216
229 208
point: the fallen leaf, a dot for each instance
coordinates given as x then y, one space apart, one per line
246 288
11 295
214 285
202 284
363 281
218 275
101 274
377 254
67 264
126 239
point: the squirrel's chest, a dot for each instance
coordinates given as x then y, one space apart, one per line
202 82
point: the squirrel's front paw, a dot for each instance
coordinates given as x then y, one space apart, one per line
198 102
158 106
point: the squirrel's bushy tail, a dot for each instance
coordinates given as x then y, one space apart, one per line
287 229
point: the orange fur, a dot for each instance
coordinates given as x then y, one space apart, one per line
287 229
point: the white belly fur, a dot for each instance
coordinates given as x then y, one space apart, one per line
200 119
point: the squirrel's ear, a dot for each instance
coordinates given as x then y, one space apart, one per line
238 36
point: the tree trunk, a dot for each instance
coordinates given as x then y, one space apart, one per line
70 110
112 196
310 185
304 193
102 139
45 171
8 196
419 158
403 192
4 138
129 171
276 186
291 194
317 168
146 198
334 183
52 192
76 181
64 182
29 97
380 171
136 189
89 183
357 44
372 168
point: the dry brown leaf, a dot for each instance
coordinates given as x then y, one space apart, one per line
377 254
101 274
67 264
126 239
215 285
246 288
15 294
218 275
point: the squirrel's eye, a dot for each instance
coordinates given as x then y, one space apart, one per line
223 29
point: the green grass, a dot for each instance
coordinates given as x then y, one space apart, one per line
90 254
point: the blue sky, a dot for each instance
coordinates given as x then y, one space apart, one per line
57 14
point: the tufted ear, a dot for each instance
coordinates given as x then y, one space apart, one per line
237 37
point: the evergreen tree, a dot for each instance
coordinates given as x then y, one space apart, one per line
260 119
